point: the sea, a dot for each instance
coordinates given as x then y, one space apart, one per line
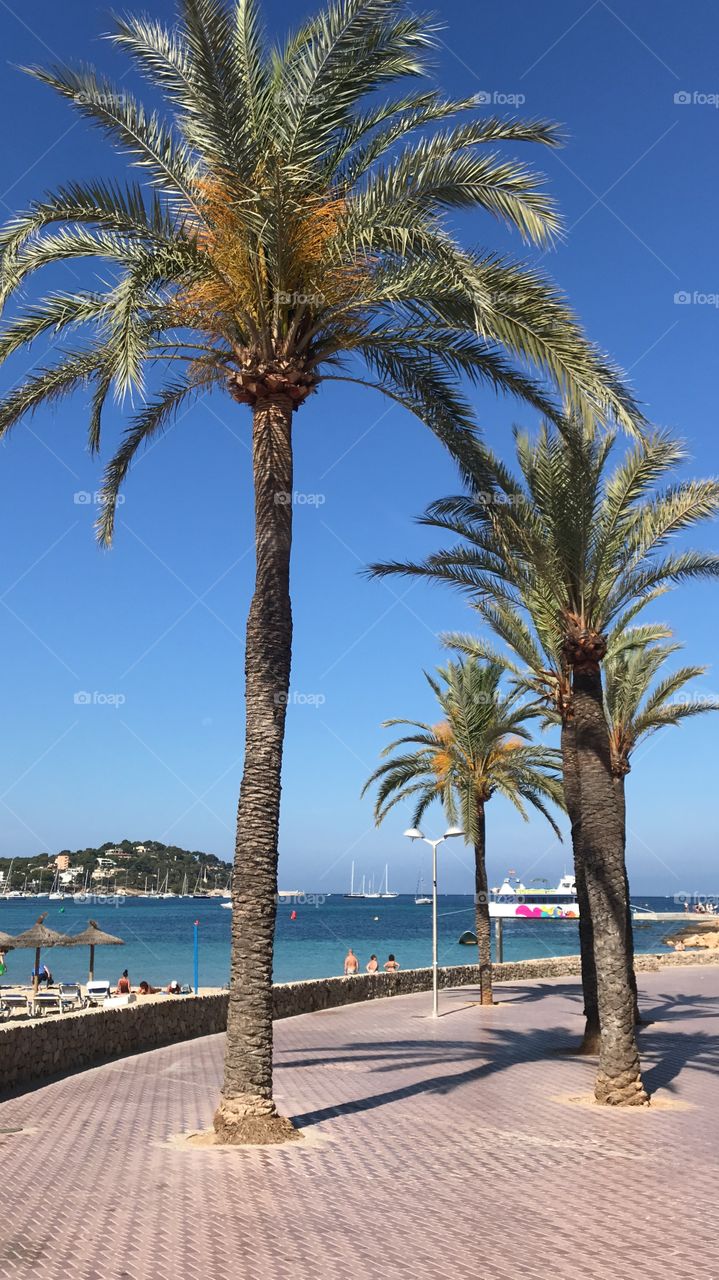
158 936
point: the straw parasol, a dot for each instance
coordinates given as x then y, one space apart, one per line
93 937
40 936
6 942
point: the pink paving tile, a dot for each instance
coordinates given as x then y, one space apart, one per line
443 1150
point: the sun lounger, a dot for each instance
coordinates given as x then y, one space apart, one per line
71 996
97 991
46 1002
12 1001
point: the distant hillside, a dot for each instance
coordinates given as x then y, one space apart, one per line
131 864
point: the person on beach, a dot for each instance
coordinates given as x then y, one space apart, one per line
123 984
390 964
372 964
145 989
351 962
174 988
43 975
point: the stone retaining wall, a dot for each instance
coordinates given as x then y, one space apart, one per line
73 1041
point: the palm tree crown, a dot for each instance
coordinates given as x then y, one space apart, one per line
290 219
479 749
561 560
637 706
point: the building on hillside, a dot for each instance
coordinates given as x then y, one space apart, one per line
62 862
118 853
104 873
141 848
70 875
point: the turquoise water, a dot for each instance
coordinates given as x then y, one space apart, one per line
158 936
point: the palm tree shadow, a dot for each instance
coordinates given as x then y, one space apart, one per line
508 1048
667 1052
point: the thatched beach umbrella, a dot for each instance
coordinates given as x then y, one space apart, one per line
6 944
40 936
93 937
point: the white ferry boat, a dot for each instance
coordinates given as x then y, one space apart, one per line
514 900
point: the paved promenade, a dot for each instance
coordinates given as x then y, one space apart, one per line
431 1150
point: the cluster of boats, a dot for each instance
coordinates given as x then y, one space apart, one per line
369 891
89 887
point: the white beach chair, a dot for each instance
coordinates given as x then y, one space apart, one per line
97 991
47 1002
13 1001
71 996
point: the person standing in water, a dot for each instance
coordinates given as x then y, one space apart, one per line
351 962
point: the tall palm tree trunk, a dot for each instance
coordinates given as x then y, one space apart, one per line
570 778
482 923
619 1081
619 792
247 1112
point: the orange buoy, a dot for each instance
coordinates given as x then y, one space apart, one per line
293 915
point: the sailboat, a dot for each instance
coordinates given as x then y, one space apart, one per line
352 893
371 892
421 899
386 893
201 892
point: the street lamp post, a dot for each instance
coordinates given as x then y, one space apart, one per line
415 834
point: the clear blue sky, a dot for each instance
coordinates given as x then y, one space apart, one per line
160 619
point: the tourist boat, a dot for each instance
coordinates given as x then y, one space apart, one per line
514 900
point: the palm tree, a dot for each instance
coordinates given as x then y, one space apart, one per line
541 674
635 710
575 555
637 707
292 230
474 753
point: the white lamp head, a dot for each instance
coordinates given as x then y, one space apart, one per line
414 834
453 831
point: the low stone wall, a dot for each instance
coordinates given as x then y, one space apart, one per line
72 1041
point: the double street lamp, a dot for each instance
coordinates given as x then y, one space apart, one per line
415 834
